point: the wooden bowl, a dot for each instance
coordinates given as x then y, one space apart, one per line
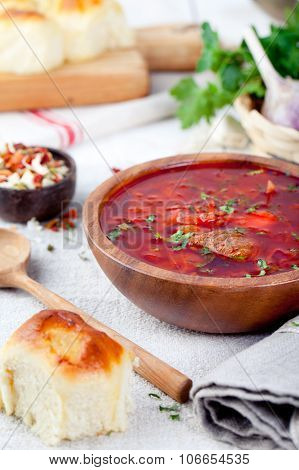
213 305
43 204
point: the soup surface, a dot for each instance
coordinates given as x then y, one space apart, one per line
230 219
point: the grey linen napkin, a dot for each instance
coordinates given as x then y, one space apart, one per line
252 399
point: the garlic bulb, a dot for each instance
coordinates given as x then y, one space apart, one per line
281 103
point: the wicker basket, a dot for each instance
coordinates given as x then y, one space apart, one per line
275 140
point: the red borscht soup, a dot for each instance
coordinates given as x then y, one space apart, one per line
231 219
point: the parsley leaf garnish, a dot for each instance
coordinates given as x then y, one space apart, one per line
177 236
295 267
158 236
172 410
151 218
175 417
228 207
252 209
262 264
154 395
169 409
114 234
181 239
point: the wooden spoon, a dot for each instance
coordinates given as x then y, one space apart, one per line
14 257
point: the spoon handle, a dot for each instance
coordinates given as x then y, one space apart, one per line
166 378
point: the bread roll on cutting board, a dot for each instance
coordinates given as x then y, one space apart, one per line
90 27
79 31
65 379
87 28
29 42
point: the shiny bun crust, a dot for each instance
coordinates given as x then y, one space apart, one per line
20 15
76 5
74 344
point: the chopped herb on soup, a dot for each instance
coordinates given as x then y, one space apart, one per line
230 219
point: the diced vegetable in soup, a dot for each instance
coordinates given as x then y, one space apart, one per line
230 219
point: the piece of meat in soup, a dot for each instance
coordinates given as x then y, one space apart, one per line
229 243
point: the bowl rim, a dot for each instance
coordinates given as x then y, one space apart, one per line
97 199
63 156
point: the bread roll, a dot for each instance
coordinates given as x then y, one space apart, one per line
22 5
65 379
29 42
90 27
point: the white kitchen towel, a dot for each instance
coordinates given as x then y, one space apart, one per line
62 128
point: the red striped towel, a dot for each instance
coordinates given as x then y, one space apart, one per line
62 128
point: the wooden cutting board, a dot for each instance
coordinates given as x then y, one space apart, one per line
170 47
116 76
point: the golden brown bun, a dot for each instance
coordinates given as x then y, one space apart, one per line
65 379
76 5
12 14
90 27
73 343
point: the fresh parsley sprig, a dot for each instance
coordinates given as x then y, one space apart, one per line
236 72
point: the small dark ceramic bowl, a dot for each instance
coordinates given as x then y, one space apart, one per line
43 204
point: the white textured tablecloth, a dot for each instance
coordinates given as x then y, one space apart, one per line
83 283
